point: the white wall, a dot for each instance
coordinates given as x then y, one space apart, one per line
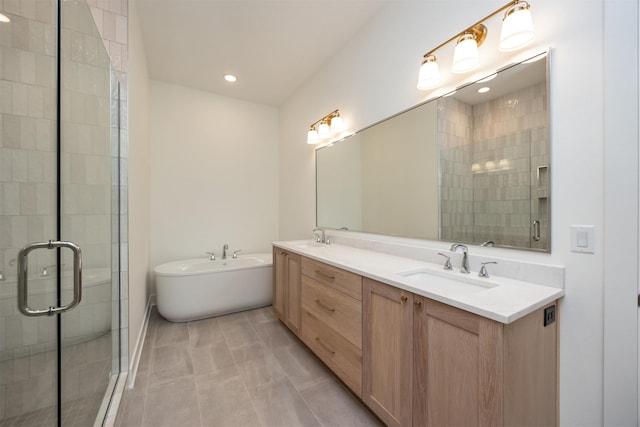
374 77
139 183
214 174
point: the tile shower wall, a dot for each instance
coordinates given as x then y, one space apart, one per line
502 176
455 130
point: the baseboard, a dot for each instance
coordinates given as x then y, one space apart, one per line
135 359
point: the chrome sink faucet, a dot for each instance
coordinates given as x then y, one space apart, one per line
224 250
320 238
464 268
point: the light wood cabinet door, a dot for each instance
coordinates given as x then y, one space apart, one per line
387 352
293 288
287 279
279 257
458 373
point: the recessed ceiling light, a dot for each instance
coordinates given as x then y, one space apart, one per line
484 89
4 18
230 78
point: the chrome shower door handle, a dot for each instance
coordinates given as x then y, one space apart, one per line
536 230
23 282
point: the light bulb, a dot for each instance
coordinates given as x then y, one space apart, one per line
429 74
312 137
337 124
465 56
517 28
323 130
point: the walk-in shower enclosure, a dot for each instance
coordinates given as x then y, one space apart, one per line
59 182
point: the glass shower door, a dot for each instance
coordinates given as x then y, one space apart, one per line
57 170
88 216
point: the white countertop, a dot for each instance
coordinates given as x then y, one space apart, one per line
498 298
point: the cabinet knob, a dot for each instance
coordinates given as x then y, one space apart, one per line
403 298
418 303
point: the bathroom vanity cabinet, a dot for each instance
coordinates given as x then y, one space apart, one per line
416 361
443 366
286 287
332 319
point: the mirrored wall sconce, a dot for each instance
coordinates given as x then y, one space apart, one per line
517 32
330 126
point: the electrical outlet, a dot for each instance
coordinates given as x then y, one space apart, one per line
549 315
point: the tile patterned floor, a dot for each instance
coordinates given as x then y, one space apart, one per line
243 369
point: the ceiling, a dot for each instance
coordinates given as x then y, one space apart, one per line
271 46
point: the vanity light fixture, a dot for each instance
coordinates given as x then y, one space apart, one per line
230 78
429 74
517 32
4 18
328 126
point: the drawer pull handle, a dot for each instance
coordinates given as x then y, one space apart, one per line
325 346
403 298
325 306
326 276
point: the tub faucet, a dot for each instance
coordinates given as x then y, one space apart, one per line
224 251
464 268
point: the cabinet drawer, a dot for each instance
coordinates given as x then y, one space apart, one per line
342 280
337 310
341 356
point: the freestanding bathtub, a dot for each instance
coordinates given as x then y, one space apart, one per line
199 288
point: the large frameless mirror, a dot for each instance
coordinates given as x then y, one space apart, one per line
472 166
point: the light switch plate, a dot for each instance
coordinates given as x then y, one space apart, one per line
582 239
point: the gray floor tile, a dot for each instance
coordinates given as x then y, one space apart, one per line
257 365
225 401
172 404
301 366
171 333
170 362
239 333
204 333
274 335
279 404
336 406
245 369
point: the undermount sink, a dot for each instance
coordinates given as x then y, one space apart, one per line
462 285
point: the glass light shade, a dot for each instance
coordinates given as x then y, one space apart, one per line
429 74
312 137
4 18
323 130
465 56
337 124
517 29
